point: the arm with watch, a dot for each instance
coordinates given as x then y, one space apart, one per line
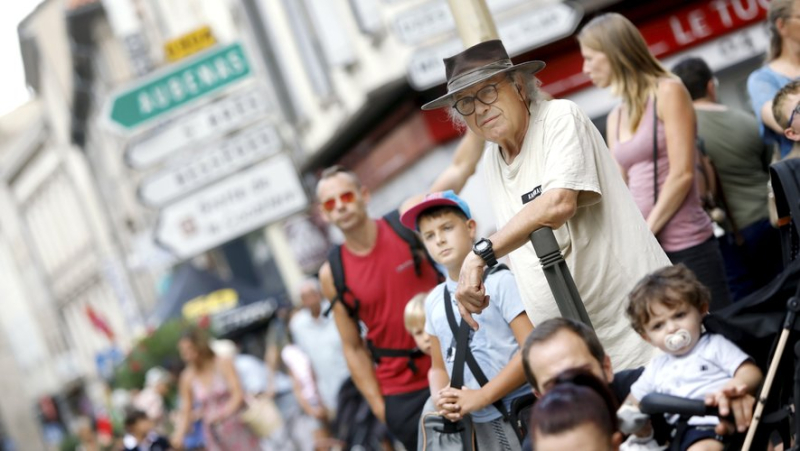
552 209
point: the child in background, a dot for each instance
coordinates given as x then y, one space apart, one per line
414 318
666 308
140 434
445 223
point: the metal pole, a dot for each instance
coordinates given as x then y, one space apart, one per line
473 21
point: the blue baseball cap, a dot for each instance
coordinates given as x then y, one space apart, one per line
441 198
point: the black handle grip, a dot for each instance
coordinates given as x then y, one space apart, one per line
658 403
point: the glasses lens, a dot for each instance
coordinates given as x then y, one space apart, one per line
465 106
329 204
487 94
347 197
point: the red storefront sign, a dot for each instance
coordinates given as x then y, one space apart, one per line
666 35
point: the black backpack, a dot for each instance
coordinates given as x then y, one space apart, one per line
418 254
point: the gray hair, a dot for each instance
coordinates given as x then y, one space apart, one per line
311 282
533 93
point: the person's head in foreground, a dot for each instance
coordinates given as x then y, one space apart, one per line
414 318
785 107
445 224
577 413
558 345
666 308
488 93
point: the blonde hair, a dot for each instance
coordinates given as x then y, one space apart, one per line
634 70
414 314
780 99
778 9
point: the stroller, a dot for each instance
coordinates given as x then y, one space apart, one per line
764 320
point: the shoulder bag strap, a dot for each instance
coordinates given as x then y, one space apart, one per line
655 149
337 272
474 367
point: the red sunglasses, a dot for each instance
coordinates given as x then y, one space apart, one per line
345 198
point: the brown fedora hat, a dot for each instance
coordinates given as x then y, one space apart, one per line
476 64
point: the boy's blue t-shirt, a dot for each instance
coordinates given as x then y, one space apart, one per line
493 344
762 85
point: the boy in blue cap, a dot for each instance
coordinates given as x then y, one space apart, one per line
447 229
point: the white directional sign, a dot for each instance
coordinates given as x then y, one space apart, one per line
210 164
205 123
419 24
267 192
532 28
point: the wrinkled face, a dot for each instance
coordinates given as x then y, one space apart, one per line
421 338
342 203
448 238
188 351
585 437
564 351
596 66
666 321
504 118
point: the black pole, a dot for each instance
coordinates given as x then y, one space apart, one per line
558 276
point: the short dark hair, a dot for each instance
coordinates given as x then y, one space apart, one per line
577 398
547 329
695 75
134 416
671 286
440 210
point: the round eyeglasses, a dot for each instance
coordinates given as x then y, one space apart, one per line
486 95
791 116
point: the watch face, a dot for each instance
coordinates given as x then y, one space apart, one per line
481 246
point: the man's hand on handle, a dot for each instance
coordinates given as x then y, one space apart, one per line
471 293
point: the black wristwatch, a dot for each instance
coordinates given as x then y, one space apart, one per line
483 248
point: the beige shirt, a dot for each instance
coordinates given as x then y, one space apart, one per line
606 244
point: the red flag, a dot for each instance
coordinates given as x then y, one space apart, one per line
99 323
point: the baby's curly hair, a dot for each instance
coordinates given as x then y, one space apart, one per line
670 286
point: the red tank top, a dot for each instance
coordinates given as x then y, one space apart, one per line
384 281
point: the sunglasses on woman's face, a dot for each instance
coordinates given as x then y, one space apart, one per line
344 198
791 117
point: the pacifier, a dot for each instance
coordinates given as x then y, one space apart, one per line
678 340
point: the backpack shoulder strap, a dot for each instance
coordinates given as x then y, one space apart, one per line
495 269
337 272
463 342
410 237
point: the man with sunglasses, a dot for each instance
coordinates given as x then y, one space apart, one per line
547 166
381 276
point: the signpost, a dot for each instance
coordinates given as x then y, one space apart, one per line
205 123
164 92
215 162
267 192
532 28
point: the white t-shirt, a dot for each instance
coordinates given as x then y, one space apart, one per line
493 344
703 370
606 244
319 339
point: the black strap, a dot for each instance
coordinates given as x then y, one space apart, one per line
476 370
655 150
416 246
411 354
337 272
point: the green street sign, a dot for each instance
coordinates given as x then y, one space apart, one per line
177 86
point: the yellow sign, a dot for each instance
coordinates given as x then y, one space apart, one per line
189 44
207 305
